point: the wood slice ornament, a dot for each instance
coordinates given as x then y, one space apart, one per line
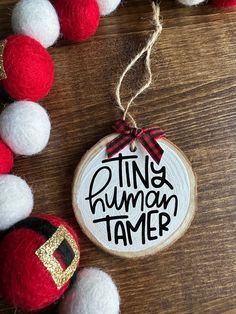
134 192
128 204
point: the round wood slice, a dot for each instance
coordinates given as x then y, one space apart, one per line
129 205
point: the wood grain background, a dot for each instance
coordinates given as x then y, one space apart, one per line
193 98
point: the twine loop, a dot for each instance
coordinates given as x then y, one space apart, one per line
146 50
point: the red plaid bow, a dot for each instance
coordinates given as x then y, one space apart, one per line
147 137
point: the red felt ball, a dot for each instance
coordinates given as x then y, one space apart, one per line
27 279
79 19
29 68
224 3
6 158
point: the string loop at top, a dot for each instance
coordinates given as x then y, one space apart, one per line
146 50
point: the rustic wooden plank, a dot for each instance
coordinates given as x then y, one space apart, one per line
193 98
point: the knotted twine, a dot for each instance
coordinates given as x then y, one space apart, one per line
128 134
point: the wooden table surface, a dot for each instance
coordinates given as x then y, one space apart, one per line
193 98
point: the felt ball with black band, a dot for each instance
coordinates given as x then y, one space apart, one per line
39 256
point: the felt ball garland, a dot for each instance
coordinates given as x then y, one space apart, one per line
27 279
27 70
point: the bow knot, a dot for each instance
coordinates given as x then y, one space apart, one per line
136 132
127 135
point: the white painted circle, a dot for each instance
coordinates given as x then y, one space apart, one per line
164 198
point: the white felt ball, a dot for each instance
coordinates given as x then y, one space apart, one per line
25 127
93 292
37 19
16 200
107 6
191 2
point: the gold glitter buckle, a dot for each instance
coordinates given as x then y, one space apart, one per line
3 75
45 254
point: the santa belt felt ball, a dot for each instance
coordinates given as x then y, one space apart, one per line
39 256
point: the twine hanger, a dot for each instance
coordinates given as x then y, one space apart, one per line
146 50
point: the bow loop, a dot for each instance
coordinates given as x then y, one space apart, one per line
147 137
120 127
